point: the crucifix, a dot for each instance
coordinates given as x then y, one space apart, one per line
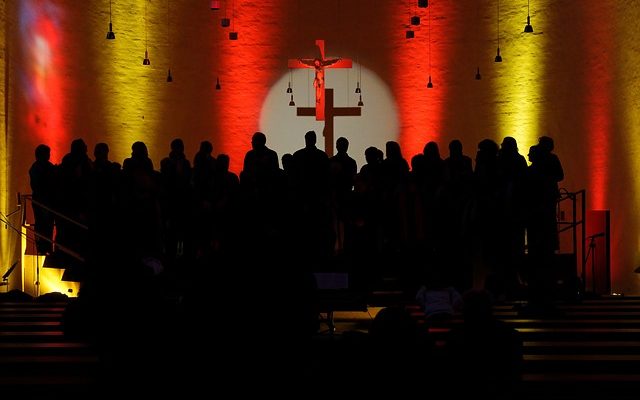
324 109
319 64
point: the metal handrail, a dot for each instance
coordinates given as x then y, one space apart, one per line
62 248
58 246
565 195
54 212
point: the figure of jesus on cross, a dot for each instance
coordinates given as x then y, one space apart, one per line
319 64
324 97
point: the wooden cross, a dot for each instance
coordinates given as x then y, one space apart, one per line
329 112
319 64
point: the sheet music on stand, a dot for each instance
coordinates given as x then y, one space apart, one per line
332 280
334 294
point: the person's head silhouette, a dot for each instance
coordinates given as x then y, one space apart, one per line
258 140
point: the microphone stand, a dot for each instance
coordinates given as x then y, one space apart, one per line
5 277
591 253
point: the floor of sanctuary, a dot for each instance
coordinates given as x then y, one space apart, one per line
590 350
36 359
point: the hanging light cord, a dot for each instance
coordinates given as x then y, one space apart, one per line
477 35
528 14
498 24
359 49
429 37
109 11
146 40
346 92
359 43
297 32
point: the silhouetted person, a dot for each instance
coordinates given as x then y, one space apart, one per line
457 200
512 171
312 168
42 176
484 354
312 183
141 203
175 171
288 192
434 219
437 298
543 176
416 195
203 170
368 212
226 191
139 162
105 187
343 170
400 353
259 185
457 167
545 172
203 177
287 163
105 172
101 157
75 193
288 175
486 191
260 164
395 176
434 168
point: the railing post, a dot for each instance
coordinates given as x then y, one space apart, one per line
583 239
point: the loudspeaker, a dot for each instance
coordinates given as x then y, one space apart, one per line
566 283
555 279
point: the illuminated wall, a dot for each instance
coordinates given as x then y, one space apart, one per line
414 60
575 79
132 94
42 79
516 80
7 240
248 68
623 194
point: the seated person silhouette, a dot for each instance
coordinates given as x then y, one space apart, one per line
438 300
484 355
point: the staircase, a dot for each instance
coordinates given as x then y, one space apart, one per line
591 351
35 356
36 276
